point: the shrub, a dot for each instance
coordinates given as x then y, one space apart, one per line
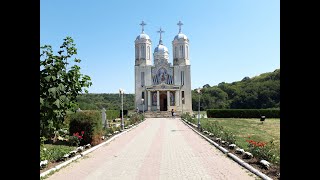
263 150
229 136
88 121
186 116
112 114
136 118
76 139
96 139
107 131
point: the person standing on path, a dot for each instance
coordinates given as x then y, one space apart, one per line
172 113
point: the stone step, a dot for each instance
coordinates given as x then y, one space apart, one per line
160 114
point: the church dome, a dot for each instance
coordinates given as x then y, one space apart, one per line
142 36
180 36
161 48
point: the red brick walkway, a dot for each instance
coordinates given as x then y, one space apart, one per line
159 148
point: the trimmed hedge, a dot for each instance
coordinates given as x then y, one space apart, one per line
88 121
243 113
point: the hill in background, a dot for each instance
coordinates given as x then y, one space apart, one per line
259 92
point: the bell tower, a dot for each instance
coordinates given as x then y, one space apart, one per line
180 46
142 48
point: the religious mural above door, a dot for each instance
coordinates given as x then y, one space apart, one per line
162 75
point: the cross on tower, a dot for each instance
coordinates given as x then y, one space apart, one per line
160 31
179 24
142 24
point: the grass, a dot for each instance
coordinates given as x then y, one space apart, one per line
242 128
55 152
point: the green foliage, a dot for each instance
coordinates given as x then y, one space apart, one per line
74 141
242 128
59 85
186 116
259 92
112 114
228 136
136 118
243 113
88 121
264 150
108 101
42 140
214 128
53 153
108 130
232 133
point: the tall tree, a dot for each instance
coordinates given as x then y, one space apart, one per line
59 86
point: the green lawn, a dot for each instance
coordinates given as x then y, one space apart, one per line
242 128
54 152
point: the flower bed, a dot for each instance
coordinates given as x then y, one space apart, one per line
258 152
52 155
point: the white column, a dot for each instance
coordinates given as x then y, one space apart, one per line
168 100
149 101
177 99
158 101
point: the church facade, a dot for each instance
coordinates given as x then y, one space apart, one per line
162 86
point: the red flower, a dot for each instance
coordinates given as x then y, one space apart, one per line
82 132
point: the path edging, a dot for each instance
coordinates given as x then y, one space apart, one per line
85 152
232 156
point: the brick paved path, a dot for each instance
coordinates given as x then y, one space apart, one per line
159 148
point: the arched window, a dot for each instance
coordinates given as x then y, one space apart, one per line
143 55
148 51
137 51
175 51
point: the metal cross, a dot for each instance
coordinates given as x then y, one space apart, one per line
142 24
179 24
160 31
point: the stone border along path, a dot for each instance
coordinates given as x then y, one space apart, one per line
159 148
59 166
232 156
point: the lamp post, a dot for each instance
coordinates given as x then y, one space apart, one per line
121 91
182 104
142 101
199 125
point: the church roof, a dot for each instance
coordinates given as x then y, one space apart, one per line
142 36
180 36
161 48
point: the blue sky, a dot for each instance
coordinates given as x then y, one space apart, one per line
229 39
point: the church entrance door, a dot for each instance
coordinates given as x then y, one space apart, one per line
163 102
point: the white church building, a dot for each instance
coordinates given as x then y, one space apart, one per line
161 85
